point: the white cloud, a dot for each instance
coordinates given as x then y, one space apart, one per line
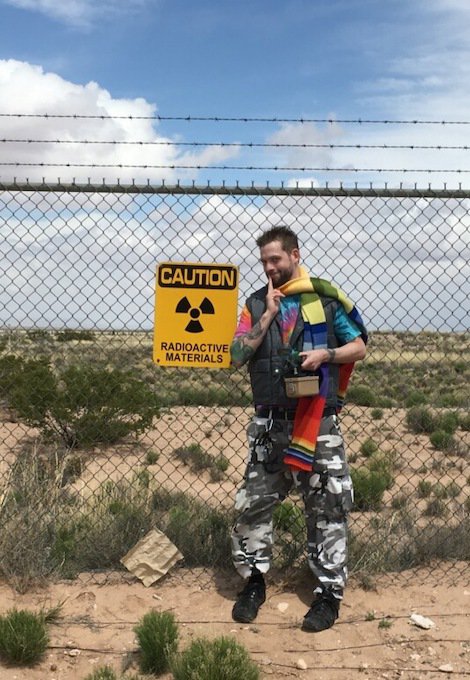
79 13
28 89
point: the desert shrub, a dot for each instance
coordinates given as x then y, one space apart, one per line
197 459
82 405
436 508
221 463
157 635
109 525
385 402
151 457
464 422
32 499
439 490
377 414
194 456
70 334
361 395
219 659
448 422
103 673
107 673
415 398
368 447
23 637
289 523
419 420
10 367
200 532
382 463
453 490
369 487
442 440
400 501
289 517
424 488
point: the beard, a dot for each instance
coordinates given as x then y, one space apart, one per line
282 277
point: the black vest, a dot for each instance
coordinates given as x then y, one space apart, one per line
266 365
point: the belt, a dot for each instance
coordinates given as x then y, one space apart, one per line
279 413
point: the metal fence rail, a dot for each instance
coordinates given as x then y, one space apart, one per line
98 444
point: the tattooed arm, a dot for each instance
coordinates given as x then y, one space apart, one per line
244 345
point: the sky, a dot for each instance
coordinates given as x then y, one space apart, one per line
119 80
274 59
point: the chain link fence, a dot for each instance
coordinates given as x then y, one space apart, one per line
98 445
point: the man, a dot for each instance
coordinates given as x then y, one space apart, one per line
295 324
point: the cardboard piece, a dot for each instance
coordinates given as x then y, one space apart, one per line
152 557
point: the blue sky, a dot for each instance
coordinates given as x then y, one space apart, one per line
337 59
318 59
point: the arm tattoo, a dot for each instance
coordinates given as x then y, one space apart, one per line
254 332
241 352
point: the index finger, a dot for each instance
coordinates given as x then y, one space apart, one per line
270 284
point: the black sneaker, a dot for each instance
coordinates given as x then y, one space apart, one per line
249 601
322 614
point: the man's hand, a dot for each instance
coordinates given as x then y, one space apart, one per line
313 359
351 351
273 299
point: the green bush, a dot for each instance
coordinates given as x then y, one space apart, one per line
23 637
369 487
368 447
361 395
201 533
377 414
448 422
442 440
289 517
107 673
415 398
10 367
197 459
103 673
220 659
152 457
82 405
464 422
419 420
157 635
424 488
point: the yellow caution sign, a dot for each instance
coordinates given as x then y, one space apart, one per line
195 314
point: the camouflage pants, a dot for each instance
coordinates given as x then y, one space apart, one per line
327 495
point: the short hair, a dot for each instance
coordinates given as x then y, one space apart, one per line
283 234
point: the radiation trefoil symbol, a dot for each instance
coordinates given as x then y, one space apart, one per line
184 306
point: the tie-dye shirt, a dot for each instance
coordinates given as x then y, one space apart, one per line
288 313
345 329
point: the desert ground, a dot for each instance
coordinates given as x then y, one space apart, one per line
374 636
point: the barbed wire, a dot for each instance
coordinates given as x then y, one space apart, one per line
272 145
240 119
274 168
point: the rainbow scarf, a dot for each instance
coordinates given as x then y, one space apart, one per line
308 414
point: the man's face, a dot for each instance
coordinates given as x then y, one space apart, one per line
278 265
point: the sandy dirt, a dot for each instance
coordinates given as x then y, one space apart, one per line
374 636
